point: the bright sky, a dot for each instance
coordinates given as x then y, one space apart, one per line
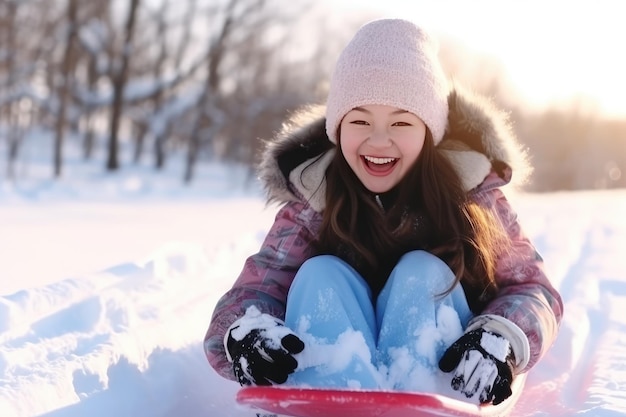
552 50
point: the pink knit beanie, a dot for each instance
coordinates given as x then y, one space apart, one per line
389 62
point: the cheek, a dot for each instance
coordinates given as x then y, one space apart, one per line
414 152
349 145
417 148
411 146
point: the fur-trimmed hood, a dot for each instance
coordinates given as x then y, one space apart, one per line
478 139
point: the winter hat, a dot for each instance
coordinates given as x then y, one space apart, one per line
389 62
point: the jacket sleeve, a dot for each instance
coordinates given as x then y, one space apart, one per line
265 279
526 298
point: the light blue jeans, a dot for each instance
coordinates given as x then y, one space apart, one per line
354 341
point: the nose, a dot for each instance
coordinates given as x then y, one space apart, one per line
380 138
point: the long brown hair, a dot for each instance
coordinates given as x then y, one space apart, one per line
428 210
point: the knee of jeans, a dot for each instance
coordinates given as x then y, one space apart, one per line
321 267
321 263
425 269
329 271
419 256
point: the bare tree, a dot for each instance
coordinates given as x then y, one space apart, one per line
25 33
165 68
273 79
162 27
208 111
9 13
96 45
164 125
119 78
245 92
65 80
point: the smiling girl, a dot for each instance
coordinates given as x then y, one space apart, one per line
394 235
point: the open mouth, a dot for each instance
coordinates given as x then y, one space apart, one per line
378 165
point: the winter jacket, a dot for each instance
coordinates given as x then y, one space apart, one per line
480 145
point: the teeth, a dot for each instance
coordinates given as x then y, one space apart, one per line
379 161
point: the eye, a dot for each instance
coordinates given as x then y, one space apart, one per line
401 124
359 122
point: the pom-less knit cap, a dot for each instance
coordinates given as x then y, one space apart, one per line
389 62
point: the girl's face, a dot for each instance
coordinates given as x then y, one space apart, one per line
381 143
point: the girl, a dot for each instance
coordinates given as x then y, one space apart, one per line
394 242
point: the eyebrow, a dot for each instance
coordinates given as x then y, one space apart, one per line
399 111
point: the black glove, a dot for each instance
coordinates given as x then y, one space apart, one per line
261 349
482 360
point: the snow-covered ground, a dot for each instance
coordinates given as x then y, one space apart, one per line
108 285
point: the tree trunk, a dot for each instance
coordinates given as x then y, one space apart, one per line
119 82
141 131
159 150
64 89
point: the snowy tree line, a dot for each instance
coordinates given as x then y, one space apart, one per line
210 78
201 76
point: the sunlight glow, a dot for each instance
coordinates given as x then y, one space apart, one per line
553 51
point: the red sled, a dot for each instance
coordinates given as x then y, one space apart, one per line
313 402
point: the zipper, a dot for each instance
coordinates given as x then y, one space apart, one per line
379 202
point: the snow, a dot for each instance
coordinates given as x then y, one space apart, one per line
497 346
330 358
253 319
108 284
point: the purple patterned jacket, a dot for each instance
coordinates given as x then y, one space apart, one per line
480 145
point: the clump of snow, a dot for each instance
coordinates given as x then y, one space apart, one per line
273 328
497 346
334 357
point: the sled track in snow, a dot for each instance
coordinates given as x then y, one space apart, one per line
79 342
590 352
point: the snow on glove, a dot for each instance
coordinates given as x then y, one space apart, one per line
482 360
261 349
